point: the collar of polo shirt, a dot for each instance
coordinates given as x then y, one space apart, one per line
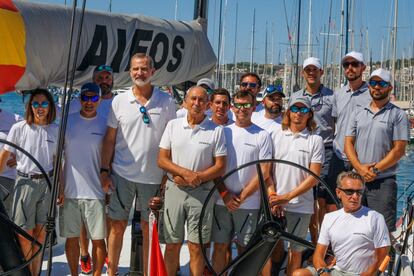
199 126
363 86
304 133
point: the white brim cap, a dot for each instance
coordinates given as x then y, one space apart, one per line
304 100
356 55
208 82
385 75
312 61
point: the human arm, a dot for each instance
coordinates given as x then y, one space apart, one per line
393 156
319 257
380 254
108 148
4 156
365 170
231 200
253 184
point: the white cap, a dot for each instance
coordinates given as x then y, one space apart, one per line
385 75
312 61
208 82
356 55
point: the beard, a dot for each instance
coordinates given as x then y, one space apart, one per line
379 96
105 88
354 77
273 110
140 82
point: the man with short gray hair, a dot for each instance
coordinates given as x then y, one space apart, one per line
376 138
357 234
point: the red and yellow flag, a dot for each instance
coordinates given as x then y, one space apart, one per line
12 46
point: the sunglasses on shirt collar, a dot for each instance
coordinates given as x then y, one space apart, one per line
145 117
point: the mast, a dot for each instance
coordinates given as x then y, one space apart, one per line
394 45
346 26
309 29
265 59
341 43
296 87
252 42
273 50
176 9
218 77
233 83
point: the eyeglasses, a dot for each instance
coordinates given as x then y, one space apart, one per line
144 113
43 104
250 84
382 84
244 105
311 70
93 98
352 63
103 68
350 192
296 109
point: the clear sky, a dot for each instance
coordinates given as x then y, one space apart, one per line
370 30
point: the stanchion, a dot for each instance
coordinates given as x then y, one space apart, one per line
136 264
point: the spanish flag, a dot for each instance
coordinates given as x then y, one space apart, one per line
156 260
12 46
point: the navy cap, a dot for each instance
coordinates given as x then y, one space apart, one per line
90 87
273 89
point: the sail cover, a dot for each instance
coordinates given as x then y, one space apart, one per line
35 45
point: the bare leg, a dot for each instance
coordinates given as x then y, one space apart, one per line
196 259
145 244
26 247
115 244
172 254
322 209
302 272
98 256
314 223
72 254
84 241
294 261
220 256
40 233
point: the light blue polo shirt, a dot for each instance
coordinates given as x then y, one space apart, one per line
322 105
345 102
375 132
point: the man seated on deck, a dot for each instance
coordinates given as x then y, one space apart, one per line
236 214
193 152
357 234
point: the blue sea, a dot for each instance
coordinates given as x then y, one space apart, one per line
15 103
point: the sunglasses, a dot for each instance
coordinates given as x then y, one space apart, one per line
93 98
104 68
382 84
43 104
250 84
144 113
296 109
311 70
352 63
350 192
244 105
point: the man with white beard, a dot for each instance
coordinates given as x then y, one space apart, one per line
136 122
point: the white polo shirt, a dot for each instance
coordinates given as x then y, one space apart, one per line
39 141
270 125
136 146
354 237
301 148
83 147
7 120
194 148
245 145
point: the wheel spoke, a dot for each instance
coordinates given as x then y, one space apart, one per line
263 193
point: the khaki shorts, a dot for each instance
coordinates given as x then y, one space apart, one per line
240 224
7 197
301 229
122 198
90 212
31 202
184 205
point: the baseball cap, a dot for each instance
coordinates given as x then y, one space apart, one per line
103 68
301 99
312 61
90 87
385 75
208 82
356 55
273 89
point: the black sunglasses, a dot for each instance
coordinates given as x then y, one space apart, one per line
250 84
350 192
352 63
145 117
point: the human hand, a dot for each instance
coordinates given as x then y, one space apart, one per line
191 178
106 183
365 170
11 162
232 202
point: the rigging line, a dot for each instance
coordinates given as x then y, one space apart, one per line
288 30
327 39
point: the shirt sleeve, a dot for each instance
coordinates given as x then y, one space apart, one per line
172 114
221 146
13 138
112 120
380 231
318 152
401 127
165 142
266 147
352 124
334 107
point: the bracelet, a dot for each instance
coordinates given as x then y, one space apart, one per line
223 194
323 270
104 170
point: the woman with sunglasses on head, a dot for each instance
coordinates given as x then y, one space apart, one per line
37 135
291 195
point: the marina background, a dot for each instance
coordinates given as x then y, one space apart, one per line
13 102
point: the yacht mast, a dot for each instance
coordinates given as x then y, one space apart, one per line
309 29
233 83
252 42
394 44
296 87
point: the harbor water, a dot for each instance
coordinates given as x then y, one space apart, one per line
15 103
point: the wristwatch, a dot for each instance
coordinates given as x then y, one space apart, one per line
375 170
323 270
104 170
